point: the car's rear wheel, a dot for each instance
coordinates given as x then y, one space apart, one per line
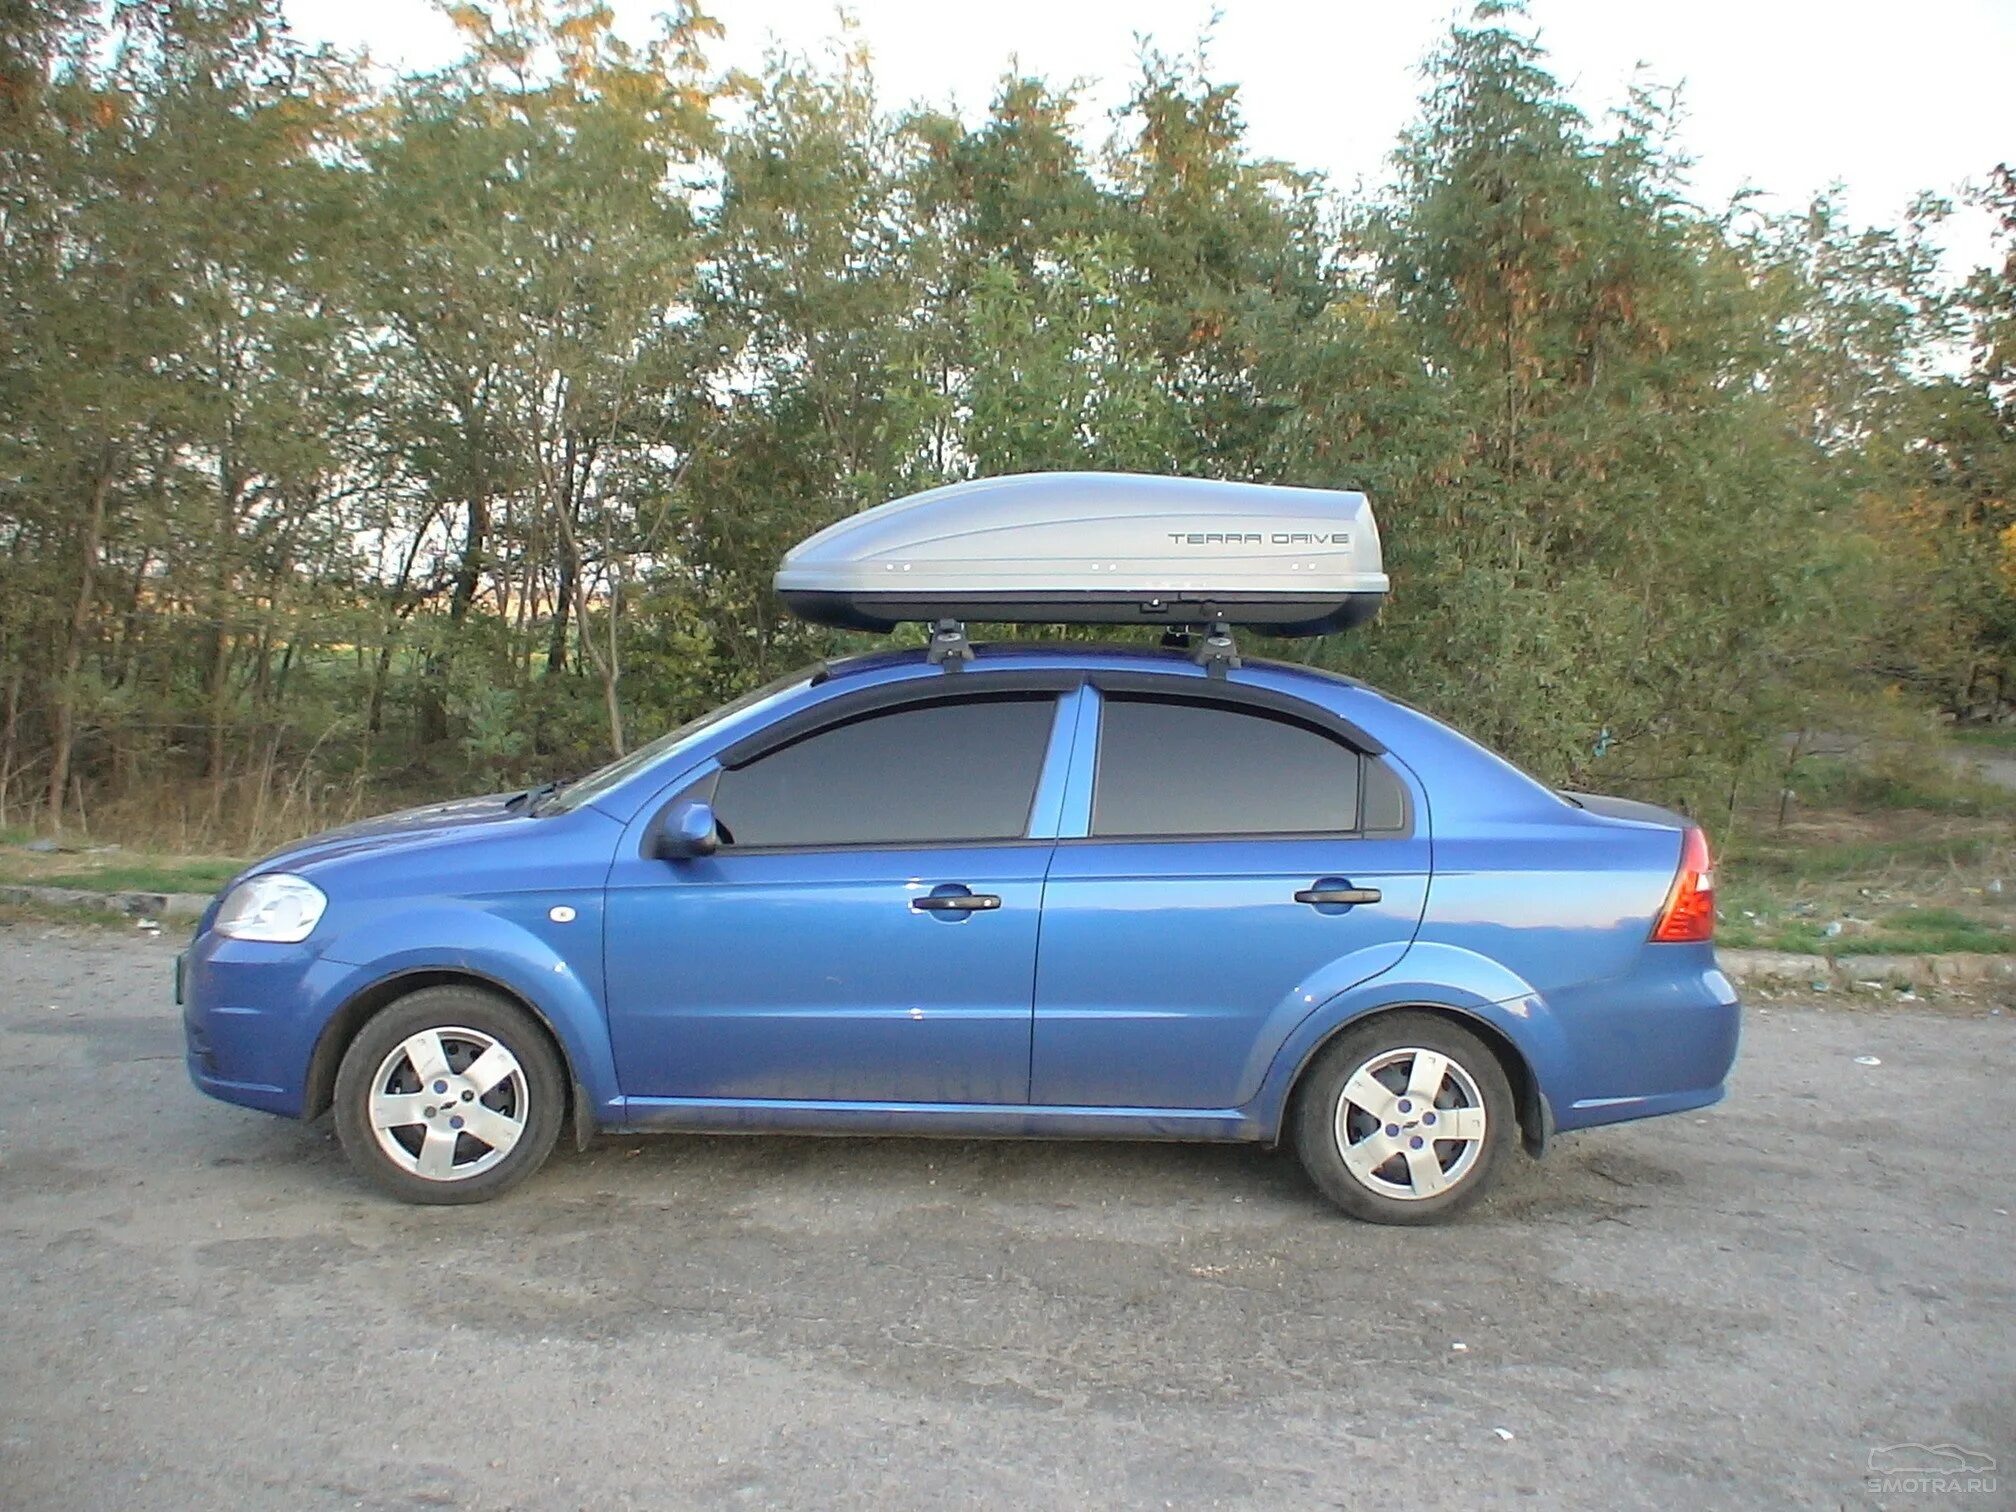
1404 1118
452 1094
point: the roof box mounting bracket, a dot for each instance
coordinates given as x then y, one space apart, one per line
1217 653
949 647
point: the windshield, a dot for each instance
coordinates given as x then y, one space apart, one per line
600 781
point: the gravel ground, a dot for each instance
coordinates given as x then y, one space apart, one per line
199 1306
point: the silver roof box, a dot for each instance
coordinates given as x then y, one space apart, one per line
1096 548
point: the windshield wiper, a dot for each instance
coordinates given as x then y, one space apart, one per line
532 797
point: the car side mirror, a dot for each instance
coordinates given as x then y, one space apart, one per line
686 830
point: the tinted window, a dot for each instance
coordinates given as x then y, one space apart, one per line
959 770
1199 769
1385 805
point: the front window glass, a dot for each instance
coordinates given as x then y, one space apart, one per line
964 769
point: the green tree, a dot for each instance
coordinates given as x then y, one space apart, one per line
533 264
359 436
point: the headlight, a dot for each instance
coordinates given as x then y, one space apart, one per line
275 907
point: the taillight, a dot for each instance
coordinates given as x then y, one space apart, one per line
1689 913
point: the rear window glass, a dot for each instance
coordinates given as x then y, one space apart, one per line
1172 768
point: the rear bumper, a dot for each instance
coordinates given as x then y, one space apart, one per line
1596 1112
1667 1047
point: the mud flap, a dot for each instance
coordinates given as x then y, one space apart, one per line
1536 1122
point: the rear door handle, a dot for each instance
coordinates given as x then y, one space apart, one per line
955 902
1346 896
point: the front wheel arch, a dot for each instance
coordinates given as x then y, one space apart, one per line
347 1021
1536 1118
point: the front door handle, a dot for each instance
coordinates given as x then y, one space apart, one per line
955 902
1344 896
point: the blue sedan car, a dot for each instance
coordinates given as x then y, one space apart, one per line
1052 892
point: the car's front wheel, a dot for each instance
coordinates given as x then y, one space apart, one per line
1404 1118
450 1095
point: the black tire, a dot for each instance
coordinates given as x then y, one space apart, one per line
1374 1197
535 1097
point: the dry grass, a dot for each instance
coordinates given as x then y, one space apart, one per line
61 916
246 815
1898 881
117 870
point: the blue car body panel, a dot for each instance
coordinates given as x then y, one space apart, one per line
1148 988
1189 1022
809 976
473 897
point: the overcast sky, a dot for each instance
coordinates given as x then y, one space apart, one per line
1788 97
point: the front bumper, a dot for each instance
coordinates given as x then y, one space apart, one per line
251 1014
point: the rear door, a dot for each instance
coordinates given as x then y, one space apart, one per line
1238 865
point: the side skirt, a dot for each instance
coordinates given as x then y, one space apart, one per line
950 1120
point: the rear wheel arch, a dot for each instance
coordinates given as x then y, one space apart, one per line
347 1021
1536 1122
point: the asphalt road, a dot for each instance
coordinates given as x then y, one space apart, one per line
200 1307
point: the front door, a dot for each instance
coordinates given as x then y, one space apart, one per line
867 931
1239 868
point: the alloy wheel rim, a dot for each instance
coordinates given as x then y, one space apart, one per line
1410 1124
449 1103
